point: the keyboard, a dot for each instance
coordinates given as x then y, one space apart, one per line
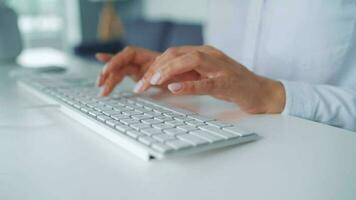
145 127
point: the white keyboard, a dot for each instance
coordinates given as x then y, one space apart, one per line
146 128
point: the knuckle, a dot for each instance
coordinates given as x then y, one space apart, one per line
189 88
157 58
209 47
210 84
219 54
214 51
196 57
128 49
147 76
167 71
172 51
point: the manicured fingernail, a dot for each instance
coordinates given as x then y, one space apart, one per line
105 68
155 78
175 87
138 86
98 81
102 90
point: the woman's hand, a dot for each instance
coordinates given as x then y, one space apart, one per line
132 61
213 73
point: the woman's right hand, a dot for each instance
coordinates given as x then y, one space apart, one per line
131 61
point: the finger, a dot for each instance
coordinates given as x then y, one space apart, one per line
187 76
202 63
159 61
130 55
101 79
110 84
103 57
116 62
116 77
133 72
200 87
170 54
174 52
189 48
153 76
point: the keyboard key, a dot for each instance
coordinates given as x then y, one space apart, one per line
160 110
140 126
121 108
94 113
153 114
182 118
151 131
161 147
102 108
162 126
103 118
132 112
151 121
201 118
163 118
172 114
174 131
119 116
194 140
144 110
141 117
77 105
98 108
112 123
134 134
129 121
207 136
178 144
218 124
238 131
175 123
187 128
219 132
163 137
122 127
85 109
146 140
194 122
111 112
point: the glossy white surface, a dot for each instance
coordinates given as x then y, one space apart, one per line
46 155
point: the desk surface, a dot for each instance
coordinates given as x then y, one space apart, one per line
46 155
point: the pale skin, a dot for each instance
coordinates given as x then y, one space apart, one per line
193 70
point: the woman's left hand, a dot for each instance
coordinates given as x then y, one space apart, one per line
218 76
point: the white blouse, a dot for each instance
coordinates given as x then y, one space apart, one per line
309 45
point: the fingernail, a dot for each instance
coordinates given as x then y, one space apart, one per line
175 87
155 78
138 86
105 68
102 90
98 80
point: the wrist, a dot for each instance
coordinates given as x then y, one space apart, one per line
273 96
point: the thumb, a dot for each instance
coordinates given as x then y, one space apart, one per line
200 87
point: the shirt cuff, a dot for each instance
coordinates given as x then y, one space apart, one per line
300 99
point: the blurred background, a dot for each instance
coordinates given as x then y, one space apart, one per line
84 27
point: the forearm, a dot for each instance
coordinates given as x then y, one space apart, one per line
322 103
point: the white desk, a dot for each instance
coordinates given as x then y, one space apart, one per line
46 155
